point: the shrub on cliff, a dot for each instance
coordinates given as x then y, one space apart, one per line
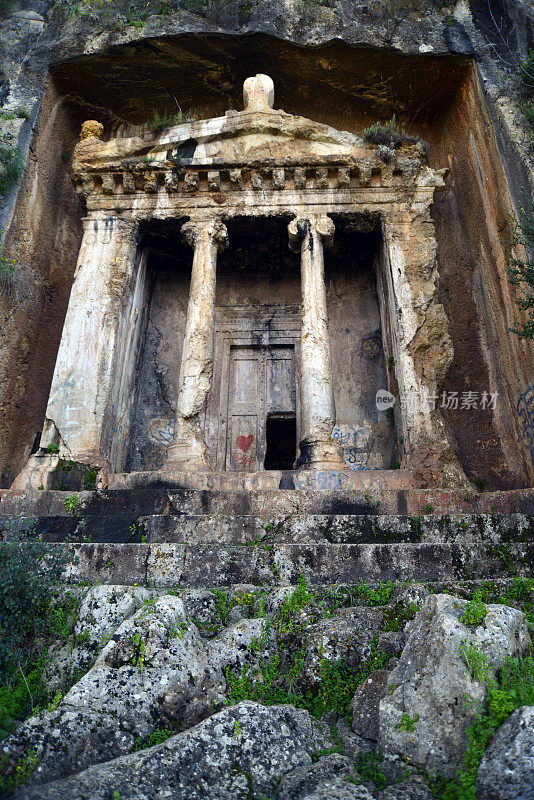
32 616
391 135
11 165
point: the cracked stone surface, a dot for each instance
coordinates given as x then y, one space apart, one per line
241 749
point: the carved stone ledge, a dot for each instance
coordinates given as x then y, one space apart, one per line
404 173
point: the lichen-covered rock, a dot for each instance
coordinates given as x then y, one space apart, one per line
339 789
506 771
425 715
101 611
237 646
352 745
413 788
65 741
240 752
391 642
347 636
159 655
154 672
305 781
364 705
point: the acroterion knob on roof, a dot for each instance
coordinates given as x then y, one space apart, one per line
258 93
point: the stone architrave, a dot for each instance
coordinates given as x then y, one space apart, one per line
78 415
188 450
318 414
422 346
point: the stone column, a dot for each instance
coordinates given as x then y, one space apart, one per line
188 450
318 415
79 415
421 344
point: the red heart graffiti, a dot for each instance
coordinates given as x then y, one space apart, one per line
244 442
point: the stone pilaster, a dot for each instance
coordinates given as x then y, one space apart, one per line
188 450
79 412
317 448
421 344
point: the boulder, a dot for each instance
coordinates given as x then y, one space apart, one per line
65 741
391 642
424 715
348 635
413 788
305 781
238 753
237 645
365 703
339 789
351 744
506 771
154 672
101 611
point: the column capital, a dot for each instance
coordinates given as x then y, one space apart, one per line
212 229
105 228
320 225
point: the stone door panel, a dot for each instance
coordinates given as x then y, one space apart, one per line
261 381
281 388
245 381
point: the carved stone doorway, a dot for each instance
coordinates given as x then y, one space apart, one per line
261 390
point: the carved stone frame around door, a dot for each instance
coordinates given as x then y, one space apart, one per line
245 326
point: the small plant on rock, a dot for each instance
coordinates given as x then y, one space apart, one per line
377 596
162 121
368 768
389 136
479 667
407 723
158 736
475 612
72 505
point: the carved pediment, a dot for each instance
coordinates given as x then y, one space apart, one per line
254 149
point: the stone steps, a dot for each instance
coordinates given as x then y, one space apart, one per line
180 538
338 528
218 565
248 529
166 498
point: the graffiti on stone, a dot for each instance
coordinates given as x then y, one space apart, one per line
356 446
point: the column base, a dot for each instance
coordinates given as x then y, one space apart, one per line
183 457
38 472
320 455
435 467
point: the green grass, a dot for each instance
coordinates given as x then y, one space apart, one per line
157 736
378 596
269 684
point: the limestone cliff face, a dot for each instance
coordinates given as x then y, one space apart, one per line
346 64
